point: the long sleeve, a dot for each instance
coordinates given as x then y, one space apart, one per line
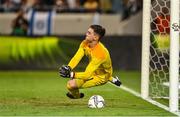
77 57
99 61
92 66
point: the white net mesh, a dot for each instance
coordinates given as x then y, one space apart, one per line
159 49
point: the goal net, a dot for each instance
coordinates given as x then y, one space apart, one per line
161 69
159 48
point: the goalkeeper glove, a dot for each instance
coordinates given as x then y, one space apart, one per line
66 71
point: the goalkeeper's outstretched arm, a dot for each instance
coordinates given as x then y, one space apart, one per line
77 57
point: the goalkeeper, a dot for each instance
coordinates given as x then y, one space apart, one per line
98 71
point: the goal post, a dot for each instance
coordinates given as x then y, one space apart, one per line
174 55
160 52
145 49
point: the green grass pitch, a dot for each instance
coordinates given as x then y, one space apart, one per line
42 93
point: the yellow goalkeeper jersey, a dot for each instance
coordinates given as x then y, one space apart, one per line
99 61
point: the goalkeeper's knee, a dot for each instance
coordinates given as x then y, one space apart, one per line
71 85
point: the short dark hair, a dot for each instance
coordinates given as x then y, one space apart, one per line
98 30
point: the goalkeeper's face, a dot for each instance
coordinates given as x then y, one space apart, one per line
91 35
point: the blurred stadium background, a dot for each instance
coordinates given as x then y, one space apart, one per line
70 19
38 36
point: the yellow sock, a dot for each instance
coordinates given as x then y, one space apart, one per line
74 92
111 78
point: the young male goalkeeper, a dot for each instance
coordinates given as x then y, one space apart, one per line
98 71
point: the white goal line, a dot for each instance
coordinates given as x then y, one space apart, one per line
148 99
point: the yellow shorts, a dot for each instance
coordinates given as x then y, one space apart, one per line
95 81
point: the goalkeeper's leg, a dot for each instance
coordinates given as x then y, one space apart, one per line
73 88
115 80
96 80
